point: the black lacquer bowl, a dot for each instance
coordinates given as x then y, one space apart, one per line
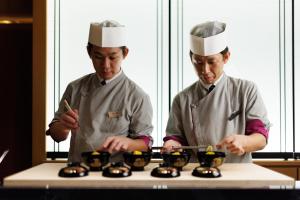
210 158
209 163
176 159
116 170
95 160
74 169
137 160
165 171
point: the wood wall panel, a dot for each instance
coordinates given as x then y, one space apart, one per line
39 82
288 167
16 7
16 97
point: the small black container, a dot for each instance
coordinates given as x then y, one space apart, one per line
165 171
95 160
206 172
176 159
209 163
137 160
73 170
210 158
116 170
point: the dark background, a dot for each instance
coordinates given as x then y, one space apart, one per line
15 88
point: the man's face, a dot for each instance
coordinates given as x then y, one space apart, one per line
209 68
107 61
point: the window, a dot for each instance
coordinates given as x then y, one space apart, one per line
147 42
296 58
261 41
258 53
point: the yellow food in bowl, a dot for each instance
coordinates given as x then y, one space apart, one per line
137 153
95 153
176 153
209 148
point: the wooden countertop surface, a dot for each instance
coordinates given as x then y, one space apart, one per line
244 175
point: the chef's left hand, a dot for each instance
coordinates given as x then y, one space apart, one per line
115 144
234 144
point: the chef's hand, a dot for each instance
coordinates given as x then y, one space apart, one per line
69 119
240 144
60 130
115 144
234 144
169 144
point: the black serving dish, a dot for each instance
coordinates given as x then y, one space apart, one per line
165 171
210 158
176 159
118 169
209 163
73 170
137 160
95 160
206 172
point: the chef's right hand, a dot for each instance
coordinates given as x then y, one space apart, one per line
234 144
69 119
169 144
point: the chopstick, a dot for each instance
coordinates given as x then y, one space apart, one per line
81 135
67 105
205 147
182 147
187 147
190 147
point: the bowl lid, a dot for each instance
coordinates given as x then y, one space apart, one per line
165 171
118 169
207 172
73 170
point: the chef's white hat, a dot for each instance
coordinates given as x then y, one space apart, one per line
108 33
208 38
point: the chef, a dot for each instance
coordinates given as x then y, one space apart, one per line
107 111
217 109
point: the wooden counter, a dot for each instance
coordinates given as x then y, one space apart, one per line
246 175
288 167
